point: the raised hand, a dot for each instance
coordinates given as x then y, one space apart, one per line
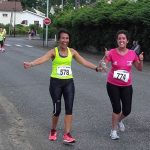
141 56
106 52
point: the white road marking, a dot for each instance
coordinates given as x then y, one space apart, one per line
18 45
28 45
7 45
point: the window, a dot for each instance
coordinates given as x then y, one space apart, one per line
36 23
25 22
5 15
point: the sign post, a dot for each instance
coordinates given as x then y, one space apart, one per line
47 21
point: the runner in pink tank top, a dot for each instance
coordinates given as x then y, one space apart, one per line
119 80
120 73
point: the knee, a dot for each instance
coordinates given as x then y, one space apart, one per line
126 112
56 113
57 109
117 110
69 111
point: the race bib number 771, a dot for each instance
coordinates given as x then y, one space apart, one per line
122 75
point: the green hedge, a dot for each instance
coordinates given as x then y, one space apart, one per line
97 25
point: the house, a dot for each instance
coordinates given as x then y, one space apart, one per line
28 17
11 12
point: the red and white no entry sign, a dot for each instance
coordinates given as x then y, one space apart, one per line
47 21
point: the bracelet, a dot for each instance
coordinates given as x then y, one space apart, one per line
96 69
31 64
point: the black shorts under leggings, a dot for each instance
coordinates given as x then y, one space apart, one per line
59 87
121 98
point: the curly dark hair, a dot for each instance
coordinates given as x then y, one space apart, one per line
123 32
63 30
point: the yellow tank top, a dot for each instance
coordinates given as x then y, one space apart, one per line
61 66
1 36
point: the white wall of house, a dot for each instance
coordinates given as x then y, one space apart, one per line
31 18
7 17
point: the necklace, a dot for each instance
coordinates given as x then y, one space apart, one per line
63 52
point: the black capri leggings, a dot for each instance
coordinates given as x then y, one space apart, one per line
120 96
1 43
59 87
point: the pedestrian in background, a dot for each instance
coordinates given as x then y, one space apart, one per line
1 40
136 47
119 80
4 32
29 34
61 81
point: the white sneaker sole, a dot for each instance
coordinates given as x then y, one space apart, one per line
68 142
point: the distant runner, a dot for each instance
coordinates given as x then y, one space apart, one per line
1 40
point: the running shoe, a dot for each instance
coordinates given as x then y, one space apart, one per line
114 135
67 138
3 49
53 135
121 126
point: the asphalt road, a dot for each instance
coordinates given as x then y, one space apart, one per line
26 107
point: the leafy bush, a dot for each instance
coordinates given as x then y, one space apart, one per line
97 25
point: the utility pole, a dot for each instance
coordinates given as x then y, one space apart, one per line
15 19
62 4
46 37
77 3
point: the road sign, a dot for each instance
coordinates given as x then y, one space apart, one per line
47 21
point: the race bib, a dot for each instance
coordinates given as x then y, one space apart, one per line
64 71
122 75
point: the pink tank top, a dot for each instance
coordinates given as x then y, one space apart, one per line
120 73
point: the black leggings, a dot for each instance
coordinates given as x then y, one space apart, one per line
59 87
120 96
1 43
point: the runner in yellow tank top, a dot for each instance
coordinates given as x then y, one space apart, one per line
1 40
61 81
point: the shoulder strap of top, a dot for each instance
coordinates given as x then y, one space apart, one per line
69 51
56 51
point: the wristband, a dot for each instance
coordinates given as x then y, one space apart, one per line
96 69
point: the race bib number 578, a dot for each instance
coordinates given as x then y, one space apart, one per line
64 70
122 75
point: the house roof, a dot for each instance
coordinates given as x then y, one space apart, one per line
10 6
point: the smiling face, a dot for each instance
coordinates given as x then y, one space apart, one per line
63 40
122 40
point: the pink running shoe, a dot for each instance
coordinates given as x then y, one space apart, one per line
53 135
67 138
